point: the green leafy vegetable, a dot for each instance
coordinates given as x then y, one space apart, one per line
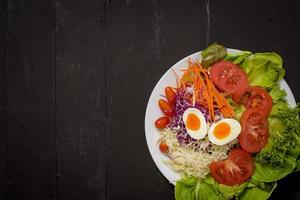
213 53
284 124
238 109
263 69
192 188
258 193
278 95
229 192
238 58
268 173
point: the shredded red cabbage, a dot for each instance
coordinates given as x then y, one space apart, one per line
183 103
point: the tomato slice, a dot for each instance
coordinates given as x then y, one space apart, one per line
237 169
255 130
229 77
257 98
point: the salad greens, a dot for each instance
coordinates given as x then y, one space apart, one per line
279 157
191 188
263 69
284 131
269 173
238 58
260 192
213 53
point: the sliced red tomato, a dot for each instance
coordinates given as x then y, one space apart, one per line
162 122
237 169
255 130
229 77
257 98
170 95
165 107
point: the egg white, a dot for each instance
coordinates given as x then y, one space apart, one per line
235 130
202 131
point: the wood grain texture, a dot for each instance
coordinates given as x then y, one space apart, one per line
262 26
80 100
30 100
132 43
3 101
75 78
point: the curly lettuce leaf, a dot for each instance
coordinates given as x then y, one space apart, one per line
263 69
284 129
212 54
268 173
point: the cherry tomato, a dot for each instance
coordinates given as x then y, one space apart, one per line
258 98
165 107
237 169
170 95
229 77
255 130
163 147
162 122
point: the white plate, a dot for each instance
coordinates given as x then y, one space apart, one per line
153 112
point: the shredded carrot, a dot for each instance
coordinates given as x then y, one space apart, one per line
177 78
222 103
205 92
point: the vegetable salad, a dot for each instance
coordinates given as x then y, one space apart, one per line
227 127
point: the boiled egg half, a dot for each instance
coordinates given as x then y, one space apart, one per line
195 123
224 131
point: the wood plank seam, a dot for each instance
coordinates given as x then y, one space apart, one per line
105 46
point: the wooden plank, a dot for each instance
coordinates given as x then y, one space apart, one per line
30 99
3 107
132 44
262 26
80 100
144 40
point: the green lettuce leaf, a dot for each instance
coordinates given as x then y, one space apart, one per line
278 95
238 109
253 192
229 192
238 58
192 188
263 69
213 53
268 173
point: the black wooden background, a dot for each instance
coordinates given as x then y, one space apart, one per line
76 75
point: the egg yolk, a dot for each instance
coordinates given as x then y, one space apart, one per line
193 122
222 130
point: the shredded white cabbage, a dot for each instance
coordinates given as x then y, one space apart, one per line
193 159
